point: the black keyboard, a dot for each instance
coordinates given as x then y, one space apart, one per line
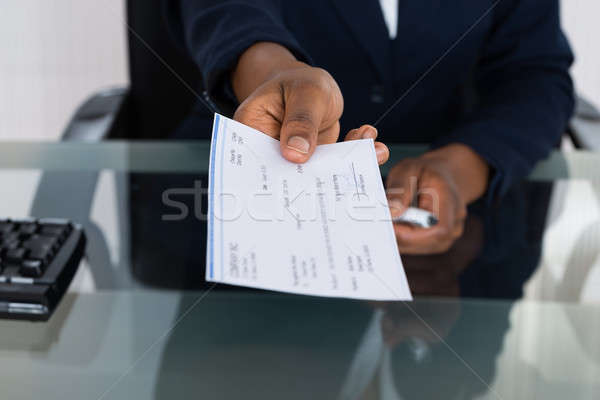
38 259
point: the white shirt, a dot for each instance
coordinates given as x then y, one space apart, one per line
390 15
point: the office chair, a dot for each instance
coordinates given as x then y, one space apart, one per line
151 108
164 88
584 127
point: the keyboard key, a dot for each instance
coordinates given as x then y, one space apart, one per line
5 227
55 224
53 230
54 221
37 242
27 220
40 254
27 229
9 245
9 237
15 256
58 232
31 268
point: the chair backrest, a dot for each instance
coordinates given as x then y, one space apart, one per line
158 102
158 99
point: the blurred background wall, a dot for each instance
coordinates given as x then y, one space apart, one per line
55 54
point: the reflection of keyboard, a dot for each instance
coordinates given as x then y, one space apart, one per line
38 259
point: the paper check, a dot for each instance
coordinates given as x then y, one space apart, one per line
321 228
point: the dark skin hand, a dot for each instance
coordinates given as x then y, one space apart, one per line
301 107
291 101
442 181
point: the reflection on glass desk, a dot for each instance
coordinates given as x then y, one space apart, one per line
511 311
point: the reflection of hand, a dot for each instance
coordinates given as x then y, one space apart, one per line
287 99
427 320
444 182
432 275
437 274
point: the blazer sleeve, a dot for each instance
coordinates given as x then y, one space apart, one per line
525 92
217 32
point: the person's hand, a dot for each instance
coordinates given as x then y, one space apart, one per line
444 182
370 132
288 100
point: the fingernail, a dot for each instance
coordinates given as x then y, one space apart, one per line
368 132
396 207
380 153
299 144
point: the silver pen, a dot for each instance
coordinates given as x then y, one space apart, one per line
416 217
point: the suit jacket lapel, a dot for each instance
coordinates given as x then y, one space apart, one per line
364 20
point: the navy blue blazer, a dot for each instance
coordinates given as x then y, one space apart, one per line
492 75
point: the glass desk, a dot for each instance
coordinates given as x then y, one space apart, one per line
512 311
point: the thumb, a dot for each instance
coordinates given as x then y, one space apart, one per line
402 186
303 117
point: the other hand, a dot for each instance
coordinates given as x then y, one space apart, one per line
443 182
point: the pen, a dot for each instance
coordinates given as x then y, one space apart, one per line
416 217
